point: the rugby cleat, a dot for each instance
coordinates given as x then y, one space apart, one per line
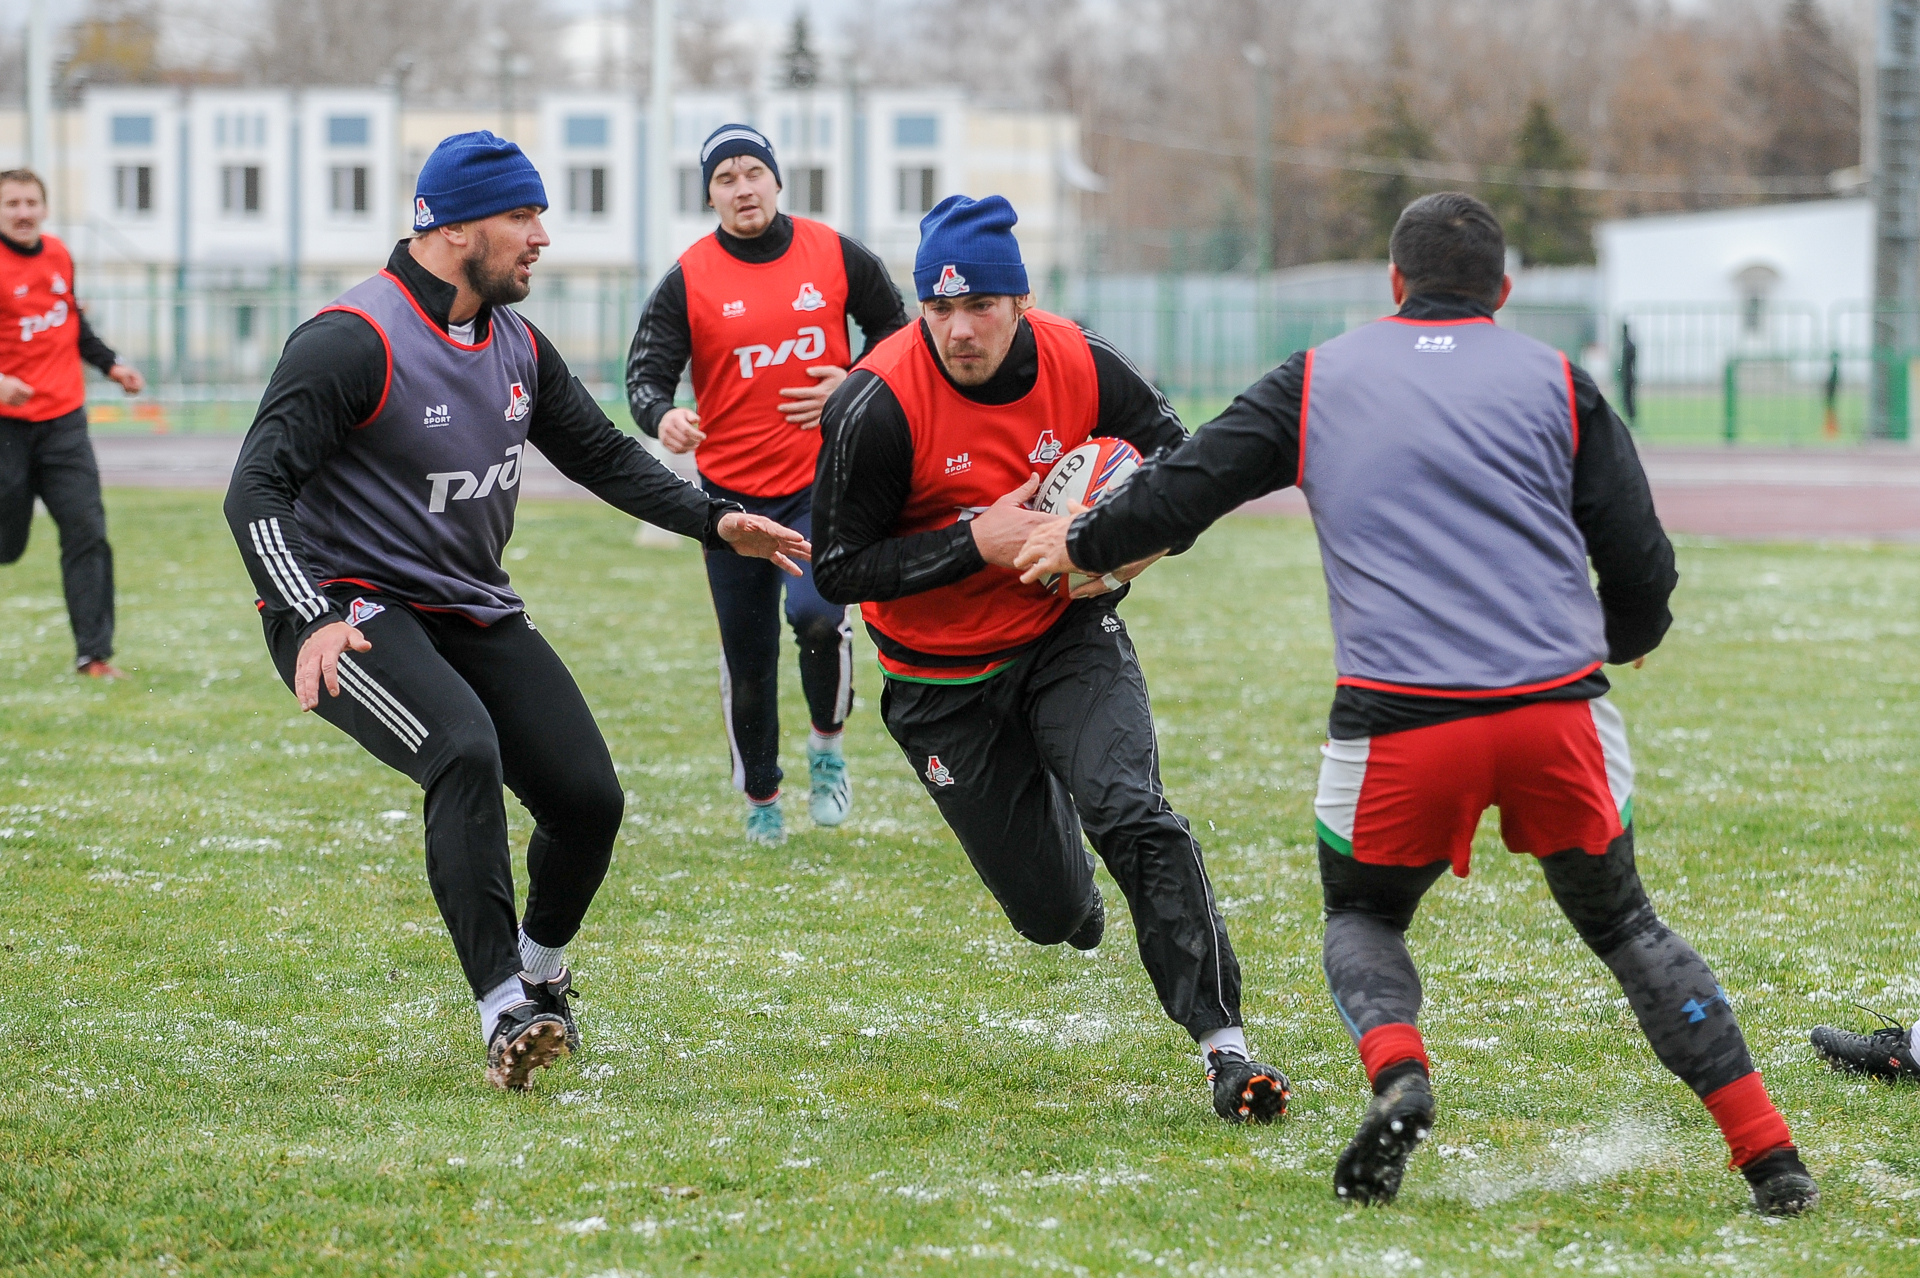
1396 1121
1092 928
830 795
95 668
530 1035
765 824
560 993
1885 1053
1246 1091
1782 1185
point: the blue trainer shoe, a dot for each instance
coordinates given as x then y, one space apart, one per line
832 790
765 824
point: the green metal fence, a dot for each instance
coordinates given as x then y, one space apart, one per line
1779 375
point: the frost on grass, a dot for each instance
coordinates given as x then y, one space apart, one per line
1630 1141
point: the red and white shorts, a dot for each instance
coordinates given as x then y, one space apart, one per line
1558 771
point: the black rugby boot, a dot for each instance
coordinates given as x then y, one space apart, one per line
1781 1183
559 994
1398 1118
529 1035
1885 1053
1092 928
1246 1091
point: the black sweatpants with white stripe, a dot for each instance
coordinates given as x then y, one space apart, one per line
463 709
1020 762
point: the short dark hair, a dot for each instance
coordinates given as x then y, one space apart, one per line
25 175
1450 242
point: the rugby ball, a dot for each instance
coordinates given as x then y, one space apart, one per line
1082 478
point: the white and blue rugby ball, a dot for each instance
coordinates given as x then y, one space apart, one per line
1083 477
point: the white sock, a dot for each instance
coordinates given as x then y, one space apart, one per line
1913 1040
538 960
819 742
1231 1039
497 1000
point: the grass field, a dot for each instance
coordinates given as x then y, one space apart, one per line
238 1042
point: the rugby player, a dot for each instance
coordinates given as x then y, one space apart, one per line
44 450
371 502
1461 478
1023 713
760 307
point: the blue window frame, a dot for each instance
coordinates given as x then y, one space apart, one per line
916 130
587 130
133 130
348 130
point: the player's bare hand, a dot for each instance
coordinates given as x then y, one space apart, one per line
319 661
680 430
1044 553
1638 662
128 377
758 537
14 392
1106 583
1001 529
802 405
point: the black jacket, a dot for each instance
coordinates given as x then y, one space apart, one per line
663 342
866 470
1253 448
332 375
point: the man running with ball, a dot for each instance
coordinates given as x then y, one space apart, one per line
1023 713
1462 477
371 502
760 307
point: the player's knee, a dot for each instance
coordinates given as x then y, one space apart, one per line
473 755
597 808
819 631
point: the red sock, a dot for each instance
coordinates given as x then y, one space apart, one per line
1386 1045
1747 1118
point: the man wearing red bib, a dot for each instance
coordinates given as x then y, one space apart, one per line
761 307
1024 713
44 450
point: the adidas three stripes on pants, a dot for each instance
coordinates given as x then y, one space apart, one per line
464 709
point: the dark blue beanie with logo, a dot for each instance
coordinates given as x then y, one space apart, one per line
967 246
728 141
474 175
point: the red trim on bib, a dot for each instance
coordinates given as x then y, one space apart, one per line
1466 694
445 336
387 388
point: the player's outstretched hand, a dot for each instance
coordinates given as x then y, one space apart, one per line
758 537
1002 528
320 661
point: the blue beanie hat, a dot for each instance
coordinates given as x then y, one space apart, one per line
967 246
728 141
474 175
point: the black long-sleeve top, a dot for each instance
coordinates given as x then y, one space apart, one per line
92 349
1253 448
866 470
331 377
663 342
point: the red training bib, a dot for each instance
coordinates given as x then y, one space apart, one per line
40 331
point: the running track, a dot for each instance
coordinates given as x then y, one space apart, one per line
1839 494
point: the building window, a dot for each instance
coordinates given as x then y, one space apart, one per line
133 188
809 191
349 188
587 191
240 130
240 188
916 130
348 130
693 195
133 130
916 190
587 130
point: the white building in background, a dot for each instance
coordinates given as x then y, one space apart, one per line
248 185
1698 289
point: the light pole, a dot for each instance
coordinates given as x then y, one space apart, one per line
660 144
1262 156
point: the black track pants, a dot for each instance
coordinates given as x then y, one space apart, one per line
53 460
746 600
1061 740
1679 1004
462 709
